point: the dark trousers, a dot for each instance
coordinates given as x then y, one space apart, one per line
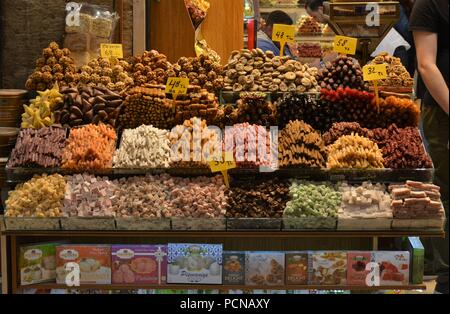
436 130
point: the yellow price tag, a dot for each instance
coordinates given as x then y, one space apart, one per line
177 86
111 51
375 72
283 34
223 166
345 45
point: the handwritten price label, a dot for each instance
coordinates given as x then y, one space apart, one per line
283 33
223 166
345 45
375 72
177 86
111 51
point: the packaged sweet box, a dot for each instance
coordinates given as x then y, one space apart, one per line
145 264
94 263
37 263
233 268
394 267
195 263
264 268
297 268
329 268
356 268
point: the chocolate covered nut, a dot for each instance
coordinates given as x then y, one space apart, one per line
84 108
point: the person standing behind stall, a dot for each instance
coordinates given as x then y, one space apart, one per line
429 23
264 40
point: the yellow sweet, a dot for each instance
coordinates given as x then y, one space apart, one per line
39 114
42 196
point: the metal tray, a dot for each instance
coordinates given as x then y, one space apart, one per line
32 223
198 224
88 223
364 224
254 224
143 224
309 223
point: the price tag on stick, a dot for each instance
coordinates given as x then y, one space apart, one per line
111 51
375 72
283 34
177 86
223 166
345 45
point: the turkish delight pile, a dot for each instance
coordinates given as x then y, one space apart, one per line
416 200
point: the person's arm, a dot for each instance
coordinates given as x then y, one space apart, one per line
426 49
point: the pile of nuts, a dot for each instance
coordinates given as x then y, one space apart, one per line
307 25
55 66
265 200
300 145
152 68
88 196
365 201
148 106
354 151
90 147
416 200
86 104
402 148
253 108
107 73
300 107
343 72
202 71
144 147
246 141
398 76
197 103
200 197
193 144
39 113
39 148
142 197
42 196
312 200
258 71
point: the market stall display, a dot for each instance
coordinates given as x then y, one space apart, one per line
140 160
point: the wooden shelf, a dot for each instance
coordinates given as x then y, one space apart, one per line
221 287
227 234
